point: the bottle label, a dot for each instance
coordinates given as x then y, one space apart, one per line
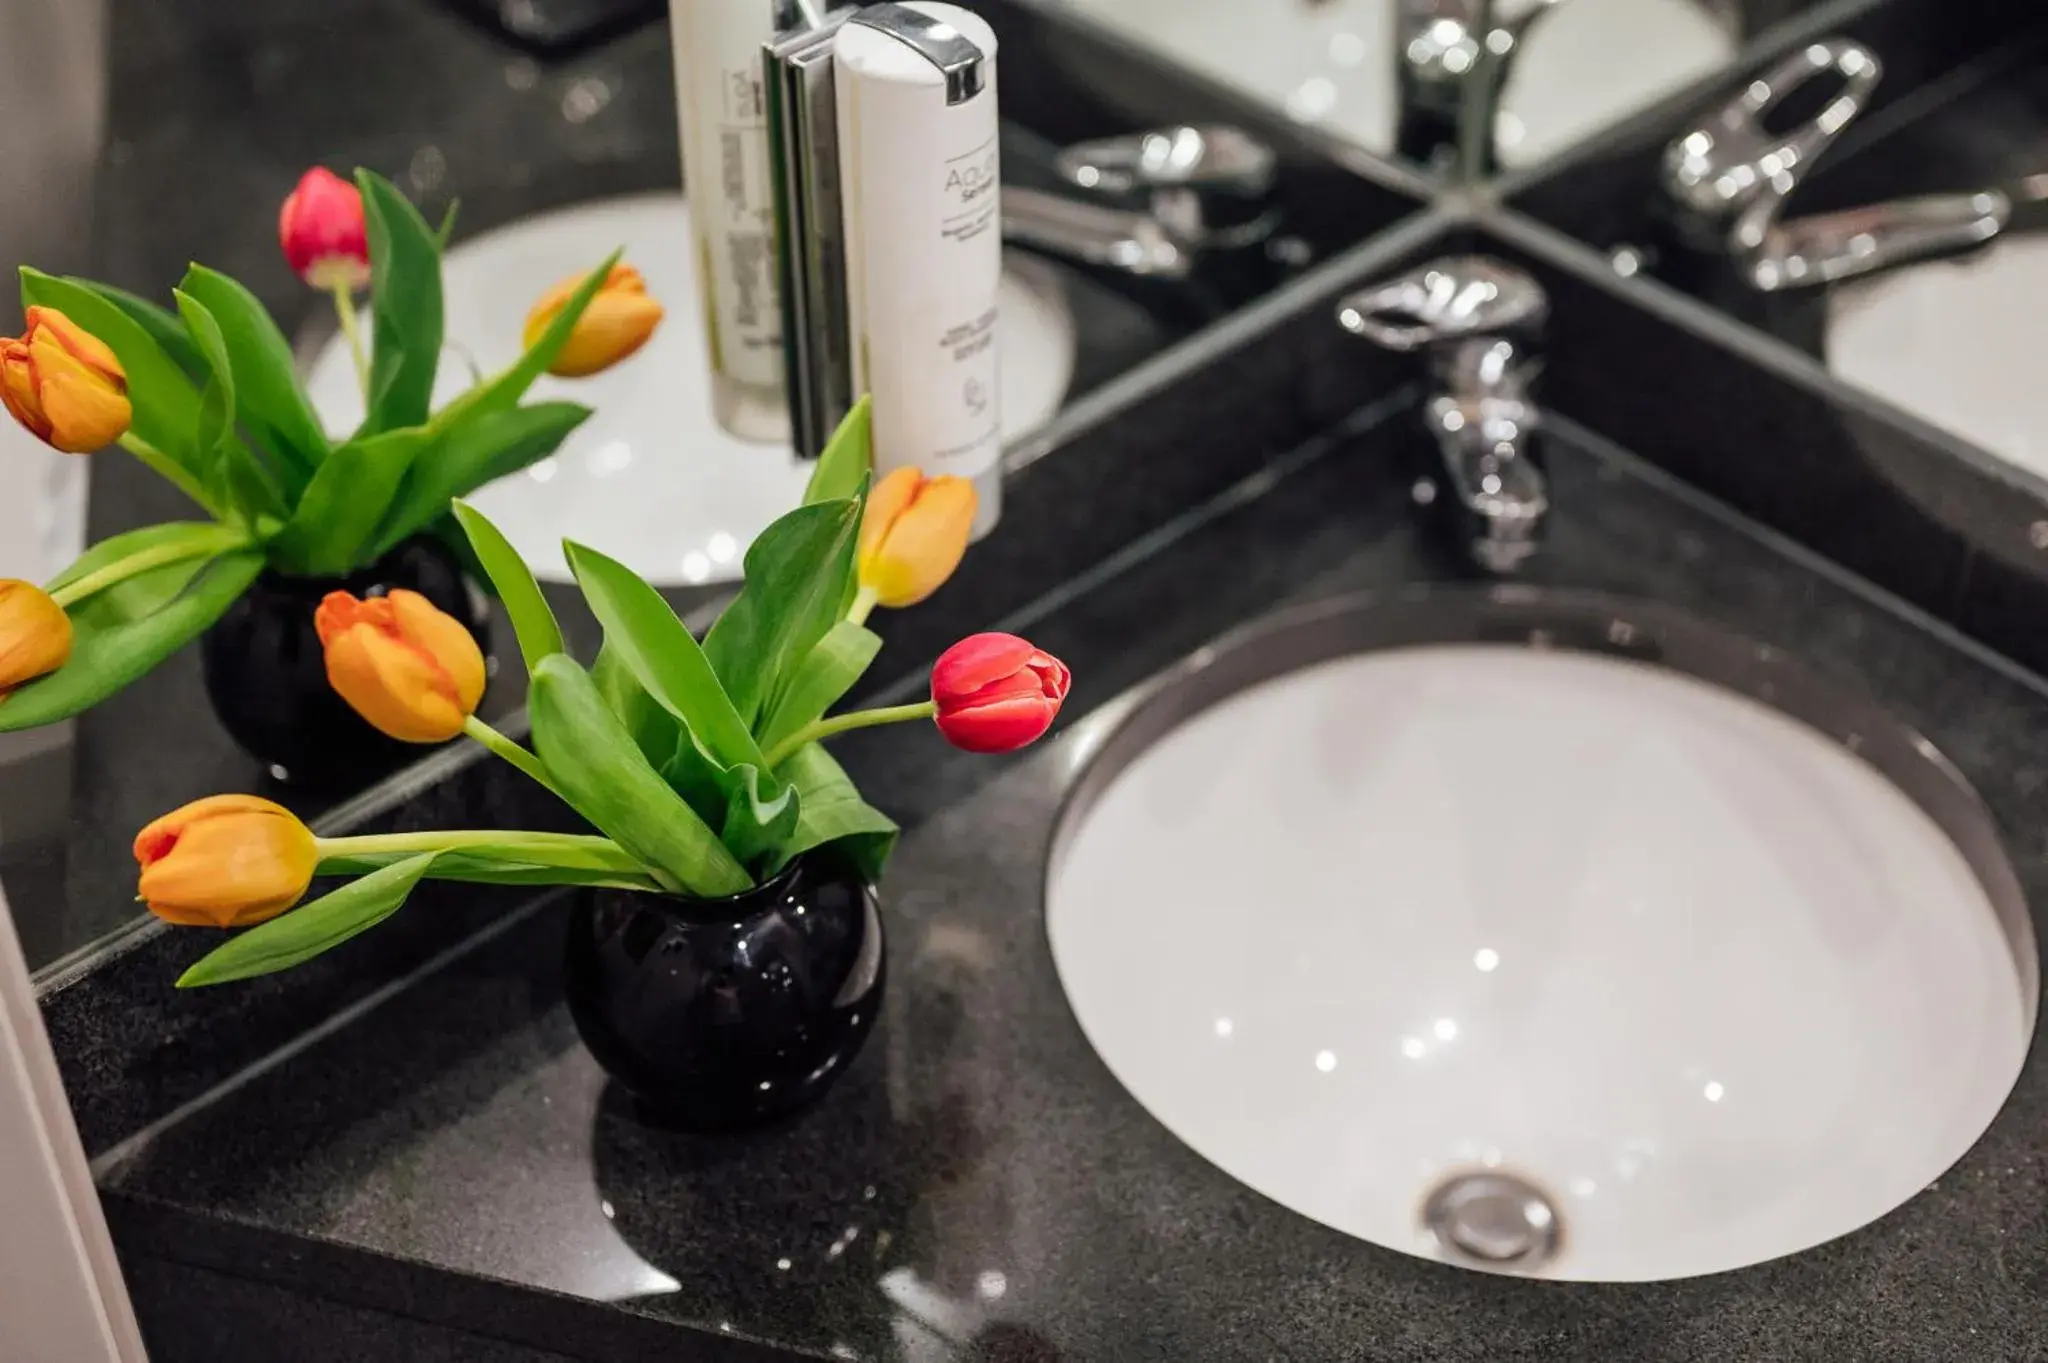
732 202
970 226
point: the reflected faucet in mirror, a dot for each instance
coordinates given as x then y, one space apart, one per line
1151 203
1477 318
1731 176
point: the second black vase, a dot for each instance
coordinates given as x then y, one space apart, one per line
266 673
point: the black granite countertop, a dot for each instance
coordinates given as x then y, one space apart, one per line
979 1186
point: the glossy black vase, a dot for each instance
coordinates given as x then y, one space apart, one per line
267 677
721 1014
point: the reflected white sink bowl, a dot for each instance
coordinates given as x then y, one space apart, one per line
1333 63
650 477
1541 960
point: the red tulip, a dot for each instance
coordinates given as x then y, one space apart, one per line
321 230
997 693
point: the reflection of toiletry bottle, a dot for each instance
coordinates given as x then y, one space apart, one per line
732 206
924 249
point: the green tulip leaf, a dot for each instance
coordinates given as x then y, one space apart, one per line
505 390
472 452
160 322
598 769
269 401
303 933
165 401
662 654
761 815
843 467
338 513
799 578
405 307
833 813
122 633
654 730
202 538
235 475
534 624
837 661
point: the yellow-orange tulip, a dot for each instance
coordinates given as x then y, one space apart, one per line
406 666
227 861
35 633
618 322
914 535
64 384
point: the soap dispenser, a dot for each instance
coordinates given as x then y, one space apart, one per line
920 191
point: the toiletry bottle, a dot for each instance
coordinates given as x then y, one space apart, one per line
924 255
720 101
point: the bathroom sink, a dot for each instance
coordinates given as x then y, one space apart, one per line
1542 933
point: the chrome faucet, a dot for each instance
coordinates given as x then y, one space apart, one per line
1151 203
1730 178
1477 318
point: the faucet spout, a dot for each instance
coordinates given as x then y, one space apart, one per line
1472 315
1484 423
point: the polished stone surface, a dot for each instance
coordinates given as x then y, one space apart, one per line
979 1186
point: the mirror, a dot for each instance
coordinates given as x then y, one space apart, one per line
178 139
1876 198
1395 77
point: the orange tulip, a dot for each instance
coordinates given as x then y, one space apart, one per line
618 322
227 861
64 384
35 634
406 666
913 535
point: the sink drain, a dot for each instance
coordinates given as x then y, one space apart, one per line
1492 1220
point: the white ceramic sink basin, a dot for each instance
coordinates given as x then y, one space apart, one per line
1333 62
650 477
1536 959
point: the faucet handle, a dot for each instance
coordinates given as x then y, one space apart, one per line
1212 187
1446 300
1218 158
1730 174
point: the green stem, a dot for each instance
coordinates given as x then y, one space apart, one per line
164 467
863 603
507 749
345 312
454 840
120 570
825 728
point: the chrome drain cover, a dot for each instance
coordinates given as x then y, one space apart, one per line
1492 1219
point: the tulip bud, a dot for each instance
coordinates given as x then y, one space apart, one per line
322 232
996 693
913 535
35 634
227 861
407 667
618 322
64 384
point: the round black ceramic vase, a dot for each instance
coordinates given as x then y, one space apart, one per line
722 1014
266 674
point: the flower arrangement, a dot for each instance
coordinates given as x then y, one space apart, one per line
701 765
207 396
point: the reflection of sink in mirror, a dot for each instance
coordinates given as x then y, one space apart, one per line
1539 961
633 479
1958 342
1583 65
